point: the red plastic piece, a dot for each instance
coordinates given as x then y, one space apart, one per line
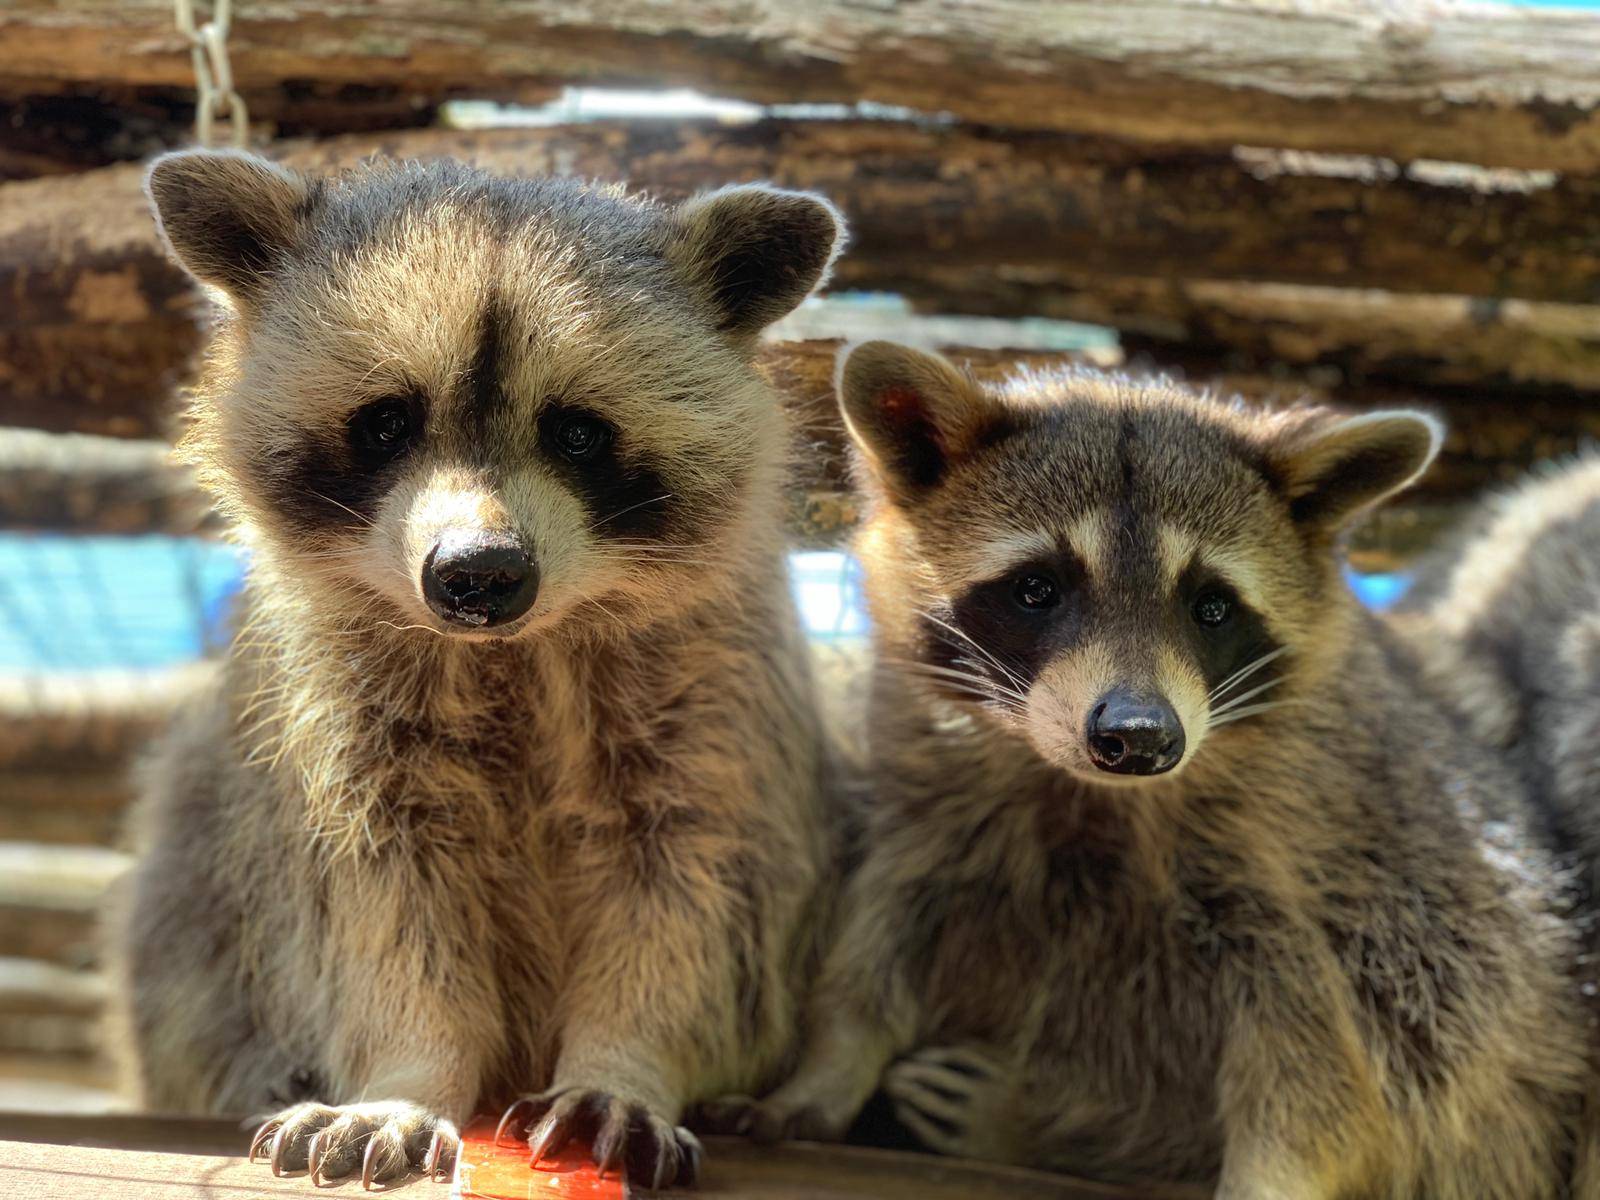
485 1171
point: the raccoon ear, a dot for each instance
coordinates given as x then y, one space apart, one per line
229 217
756 252
1334 471
912 413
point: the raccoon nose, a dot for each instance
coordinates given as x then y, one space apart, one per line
1134 735
479 579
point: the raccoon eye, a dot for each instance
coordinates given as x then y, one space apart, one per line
1036 592
1212 609
580 437
382 430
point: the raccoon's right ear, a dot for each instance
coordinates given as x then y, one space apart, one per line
229 217
912 413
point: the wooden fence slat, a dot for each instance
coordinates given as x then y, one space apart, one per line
1404 79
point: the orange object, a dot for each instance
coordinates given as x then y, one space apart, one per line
485 1171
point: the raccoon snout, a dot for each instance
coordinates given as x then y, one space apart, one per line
479 579
1134 735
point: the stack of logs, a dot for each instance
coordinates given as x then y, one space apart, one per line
1376 202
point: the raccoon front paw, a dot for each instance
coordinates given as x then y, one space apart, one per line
389 1140
953 1099
770 1120
654 1152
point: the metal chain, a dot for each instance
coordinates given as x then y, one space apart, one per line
213 74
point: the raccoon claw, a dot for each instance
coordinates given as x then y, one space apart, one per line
262 1140
391 1140
652 1152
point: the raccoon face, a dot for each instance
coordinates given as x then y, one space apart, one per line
482 406
1120 571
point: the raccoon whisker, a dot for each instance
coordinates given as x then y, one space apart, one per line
366 522
978 682
1236 701
409 628
1011 675
629 509
1244 672
1248 711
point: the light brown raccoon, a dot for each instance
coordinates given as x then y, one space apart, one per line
512 782
1173 870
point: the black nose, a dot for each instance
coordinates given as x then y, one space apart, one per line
1134 735
479 579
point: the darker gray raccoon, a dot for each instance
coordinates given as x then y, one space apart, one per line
512 781
1175 869
1506 616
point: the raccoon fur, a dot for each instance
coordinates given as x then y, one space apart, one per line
1174 870
512 784
1506 617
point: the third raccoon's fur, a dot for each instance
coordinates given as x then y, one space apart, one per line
1174 870
1507 618
512 782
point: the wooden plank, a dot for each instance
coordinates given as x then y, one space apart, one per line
1405 79
46 1172
736 1170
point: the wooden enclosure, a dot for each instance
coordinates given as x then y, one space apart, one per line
1371 202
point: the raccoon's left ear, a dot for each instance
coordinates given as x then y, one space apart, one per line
1333 471
755 252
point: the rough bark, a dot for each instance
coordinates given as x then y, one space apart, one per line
923 197
1428 339
96 318
1405 79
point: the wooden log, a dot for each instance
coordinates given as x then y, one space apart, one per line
82 126
1428 339
1405 79
921 198
80 482
90 721
66 805
959 218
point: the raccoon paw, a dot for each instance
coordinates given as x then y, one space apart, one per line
770 1120
952 1098
389 1141
653 1152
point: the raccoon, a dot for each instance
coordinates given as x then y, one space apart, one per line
1506 616
511 787
1509 616
1174 870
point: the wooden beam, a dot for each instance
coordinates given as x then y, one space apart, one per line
1405 79
66 1158
99 325
80 482
920 198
